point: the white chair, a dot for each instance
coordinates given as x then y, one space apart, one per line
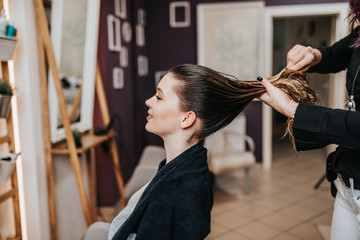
97 231
231 149
144 172
146 169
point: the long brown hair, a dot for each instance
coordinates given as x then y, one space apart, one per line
354 17
217 98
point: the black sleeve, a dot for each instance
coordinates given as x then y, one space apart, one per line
317 126
336 57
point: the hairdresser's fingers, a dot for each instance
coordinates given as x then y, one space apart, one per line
303 64
277 99
295 54
267 84
301 58
266 97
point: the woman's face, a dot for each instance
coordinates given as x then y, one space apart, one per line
164 114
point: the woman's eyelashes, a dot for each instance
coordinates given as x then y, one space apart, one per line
157 97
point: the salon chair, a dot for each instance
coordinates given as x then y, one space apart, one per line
230 149
146 169
143 173
97 231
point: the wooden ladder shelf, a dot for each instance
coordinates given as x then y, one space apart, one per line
13 192
8 138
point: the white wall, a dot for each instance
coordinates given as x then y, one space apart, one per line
33 192
71 223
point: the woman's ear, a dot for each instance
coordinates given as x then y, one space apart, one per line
188 120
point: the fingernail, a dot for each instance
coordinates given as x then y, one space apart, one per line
259 78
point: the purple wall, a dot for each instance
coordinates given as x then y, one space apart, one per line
253 113
122 106
164 47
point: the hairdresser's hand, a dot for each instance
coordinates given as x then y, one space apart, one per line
277 99
301 58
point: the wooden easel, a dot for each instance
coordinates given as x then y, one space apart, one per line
89 141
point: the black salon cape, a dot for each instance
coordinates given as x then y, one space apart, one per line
177 202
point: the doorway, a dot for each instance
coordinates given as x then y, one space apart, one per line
285 26
287 32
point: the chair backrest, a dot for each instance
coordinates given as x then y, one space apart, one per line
146 169
152 155
230 138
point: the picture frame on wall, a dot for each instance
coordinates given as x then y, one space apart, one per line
140 35
228 37
120 8
143 65
183 8
114 33
118 78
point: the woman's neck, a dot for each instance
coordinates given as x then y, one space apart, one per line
175 147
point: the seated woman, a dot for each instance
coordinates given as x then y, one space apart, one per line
191 102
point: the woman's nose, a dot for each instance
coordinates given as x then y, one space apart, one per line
147 102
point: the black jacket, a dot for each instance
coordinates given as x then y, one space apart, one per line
177 202
316 127
341 56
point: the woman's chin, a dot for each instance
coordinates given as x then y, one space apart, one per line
148 128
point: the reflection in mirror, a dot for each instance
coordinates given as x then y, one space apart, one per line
72 55
74 34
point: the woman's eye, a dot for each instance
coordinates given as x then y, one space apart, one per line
157 97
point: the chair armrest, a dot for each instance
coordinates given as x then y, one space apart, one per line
247 138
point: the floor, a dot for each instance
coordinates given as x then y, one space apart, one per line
281 205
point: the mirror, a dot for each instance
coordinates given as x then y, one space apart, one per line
74 35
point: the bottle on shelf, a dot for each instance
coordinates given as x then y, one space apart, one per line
10 30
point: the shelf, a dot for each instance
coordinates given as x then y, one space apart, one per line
88 141
7 46
13 238
8 194
5 139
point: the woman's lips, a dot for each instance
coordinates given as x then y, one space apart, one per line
149 117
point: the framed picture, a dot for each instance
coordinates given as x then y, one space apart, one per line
183 8
140 35
228 37
114 33
120 8
143 68
118 78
